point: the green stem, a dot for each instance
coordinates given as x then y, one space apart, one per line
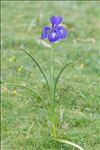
52 92
52 80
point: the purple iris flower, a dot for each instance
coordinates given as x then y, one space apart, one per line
62 32
56 32
53 35
44 33
55 20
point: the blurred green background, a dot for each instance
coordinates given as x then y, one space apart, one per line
25 124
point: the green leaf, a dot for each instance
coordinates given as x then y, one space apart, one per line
70 143
59 74
15 84
39 68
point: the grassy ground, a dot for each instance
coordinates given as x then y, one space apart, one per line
25 124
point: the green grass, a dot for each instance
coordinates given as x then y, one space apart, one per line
25 123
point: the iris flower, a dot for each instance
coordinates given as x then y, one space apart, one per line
56 32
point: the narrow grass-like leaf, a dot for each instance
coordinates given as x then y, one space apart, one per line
15 84
70 143
60 72
31 90
38 67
